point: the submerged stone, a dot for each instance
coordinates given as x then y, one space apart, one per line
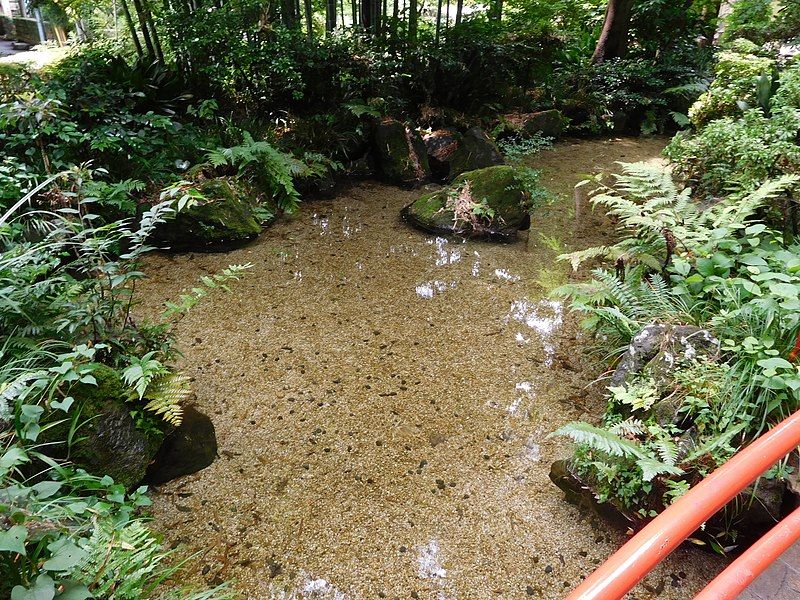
400 153
223 220
492 203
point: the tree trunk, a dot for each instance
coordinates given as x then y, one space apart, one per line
132 28
330 15
438 20
497 10
413 18
366 18
309 10
459 11
148 15
151 52
613 42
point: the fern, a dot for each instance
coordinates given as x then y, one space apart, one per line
628 427
651 468
609 443
166 396
267 166
601 439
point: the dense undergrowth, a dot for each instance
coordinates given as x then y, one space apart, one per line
116 148
708 250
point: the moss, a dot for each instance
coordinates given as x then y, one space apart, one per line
107 441
502 188
223 220
401 153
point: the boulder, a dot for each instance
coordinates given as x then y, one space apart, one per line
108 442
549 123
223 220
189 448
579 492
743 520
316 185
400 153
492 203
451 153
657 349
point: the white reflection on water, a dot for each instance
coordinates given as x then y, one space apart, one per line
544 317
505 275
429 289
429 562
444 255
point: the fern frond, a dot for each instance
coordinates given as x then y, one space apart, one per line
628 427
601 439
651 468
667 450
166 395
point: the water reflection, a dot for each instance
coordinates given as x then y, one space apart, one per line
429 289
544 317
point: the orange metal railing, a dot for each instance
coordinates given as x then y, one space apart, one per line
741 572
620 573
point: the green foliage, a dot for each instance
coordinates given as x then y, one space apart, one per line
269 169
735 87
739 154
66 293
719 267
637 94
516 148
749 19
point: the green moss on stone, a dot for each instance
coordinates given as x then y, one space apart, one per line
223 220
107 441
502 188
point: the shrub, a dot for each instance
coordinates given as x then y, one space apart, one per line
736 85
739 154
788 93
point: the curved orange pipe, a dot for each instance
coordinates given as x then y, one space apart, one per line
741 572
620 573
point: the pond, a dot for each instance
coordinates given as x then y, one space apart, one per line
382 400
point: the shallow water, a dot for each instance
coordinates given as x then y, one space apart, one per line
382 399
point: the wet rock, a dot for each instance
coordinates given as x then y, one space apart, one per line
492 203
549 123
191 447
316 185
222 221
759 506
657 349
108 441
451 153
363 167
751 514
579 491
400 153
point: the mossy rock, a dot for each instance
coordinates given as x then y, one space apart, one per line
451 153
549 123
222 221
400 153
108 442
491 203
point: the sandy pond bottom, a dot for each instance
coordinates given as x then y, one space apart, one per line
382 399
